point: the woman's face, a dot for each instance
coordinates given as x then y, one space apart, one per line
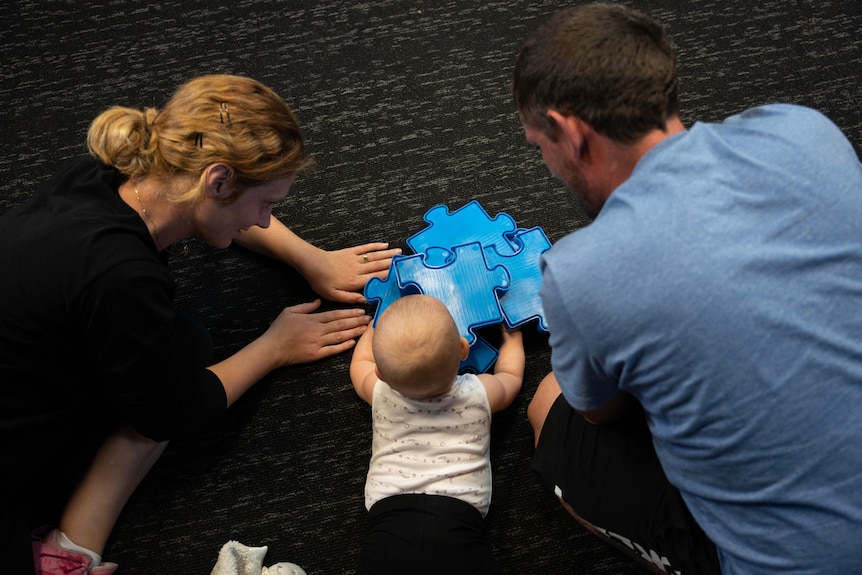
220 223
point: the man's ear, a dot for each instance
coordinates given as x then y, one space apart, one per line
572 130
219 182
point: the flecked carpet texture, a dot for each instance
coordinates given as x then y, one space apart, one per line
405 104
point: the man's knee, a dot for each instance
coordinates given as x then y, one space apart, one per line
544 398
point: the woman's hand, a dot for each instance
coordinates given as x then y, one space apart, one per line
340 275
337 275
296 336
300 336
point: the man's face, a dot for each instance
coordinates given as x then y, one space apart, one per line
564 167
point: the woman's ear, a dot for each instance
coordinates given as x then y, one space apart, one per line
219 182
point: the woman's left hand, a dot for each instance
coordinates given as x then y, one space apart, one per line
340 275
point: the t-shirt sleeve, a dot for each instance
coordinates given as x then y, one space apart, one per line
584 382
145 364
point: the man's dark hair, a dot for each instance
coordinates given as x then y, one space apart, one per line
609 65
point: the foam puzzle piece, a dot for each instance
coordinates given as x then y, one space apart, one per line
482 357
500 283
466 285
384 292
470 223
521 303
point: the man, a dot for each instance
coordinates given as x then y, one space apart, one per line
703 412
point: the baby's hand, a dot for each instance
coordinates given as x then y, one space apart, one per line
510 331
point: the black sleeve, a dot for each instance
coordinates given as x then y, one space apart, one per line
147 369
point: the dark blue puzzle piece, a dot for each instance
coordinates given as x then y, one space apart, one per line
470 223
521 303
466 285
482 357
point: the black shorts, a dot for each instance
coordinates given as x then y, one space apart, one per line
425 534
611 477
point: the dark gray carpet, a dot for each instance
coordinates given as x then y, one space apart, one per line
405 105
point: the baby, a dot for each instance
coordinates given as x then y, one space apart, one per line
428 487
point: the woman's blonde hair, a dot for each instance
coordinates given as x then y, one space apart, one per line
210 119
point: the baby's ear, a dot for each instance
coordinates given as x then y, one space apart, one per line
465 348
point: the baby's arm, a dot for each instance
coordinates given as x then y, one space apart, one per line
363 368
504 385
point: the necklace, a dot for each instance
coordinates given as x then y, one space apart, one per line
149 217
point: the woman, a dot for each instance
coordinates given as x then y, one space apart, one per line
97 370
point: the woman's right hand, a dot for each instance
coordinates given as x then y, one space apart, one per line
298 335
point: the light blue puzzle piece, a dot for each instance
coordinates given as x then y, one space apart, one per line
384 292
466 285
470 223
482 357
521 303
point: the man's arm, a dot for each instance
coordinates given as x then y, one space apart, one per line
610 411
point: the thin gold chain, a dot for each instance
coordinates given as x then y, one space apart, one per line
149 217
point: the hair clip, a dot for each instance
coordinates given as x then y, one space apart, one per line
199 140
224 113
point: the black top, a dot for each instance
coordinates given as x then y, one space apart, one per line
87 325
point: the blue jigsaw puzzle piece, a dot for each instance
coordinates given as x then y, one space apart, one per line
384 292
470 223
485 270
521 303
482 357
466 285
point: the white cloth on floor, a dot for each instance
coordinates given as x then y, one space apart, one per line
238 559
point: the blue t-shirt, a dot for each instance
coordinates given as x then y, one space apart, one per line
721 286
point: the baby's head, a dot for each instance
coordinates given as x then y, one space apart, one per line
417 347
